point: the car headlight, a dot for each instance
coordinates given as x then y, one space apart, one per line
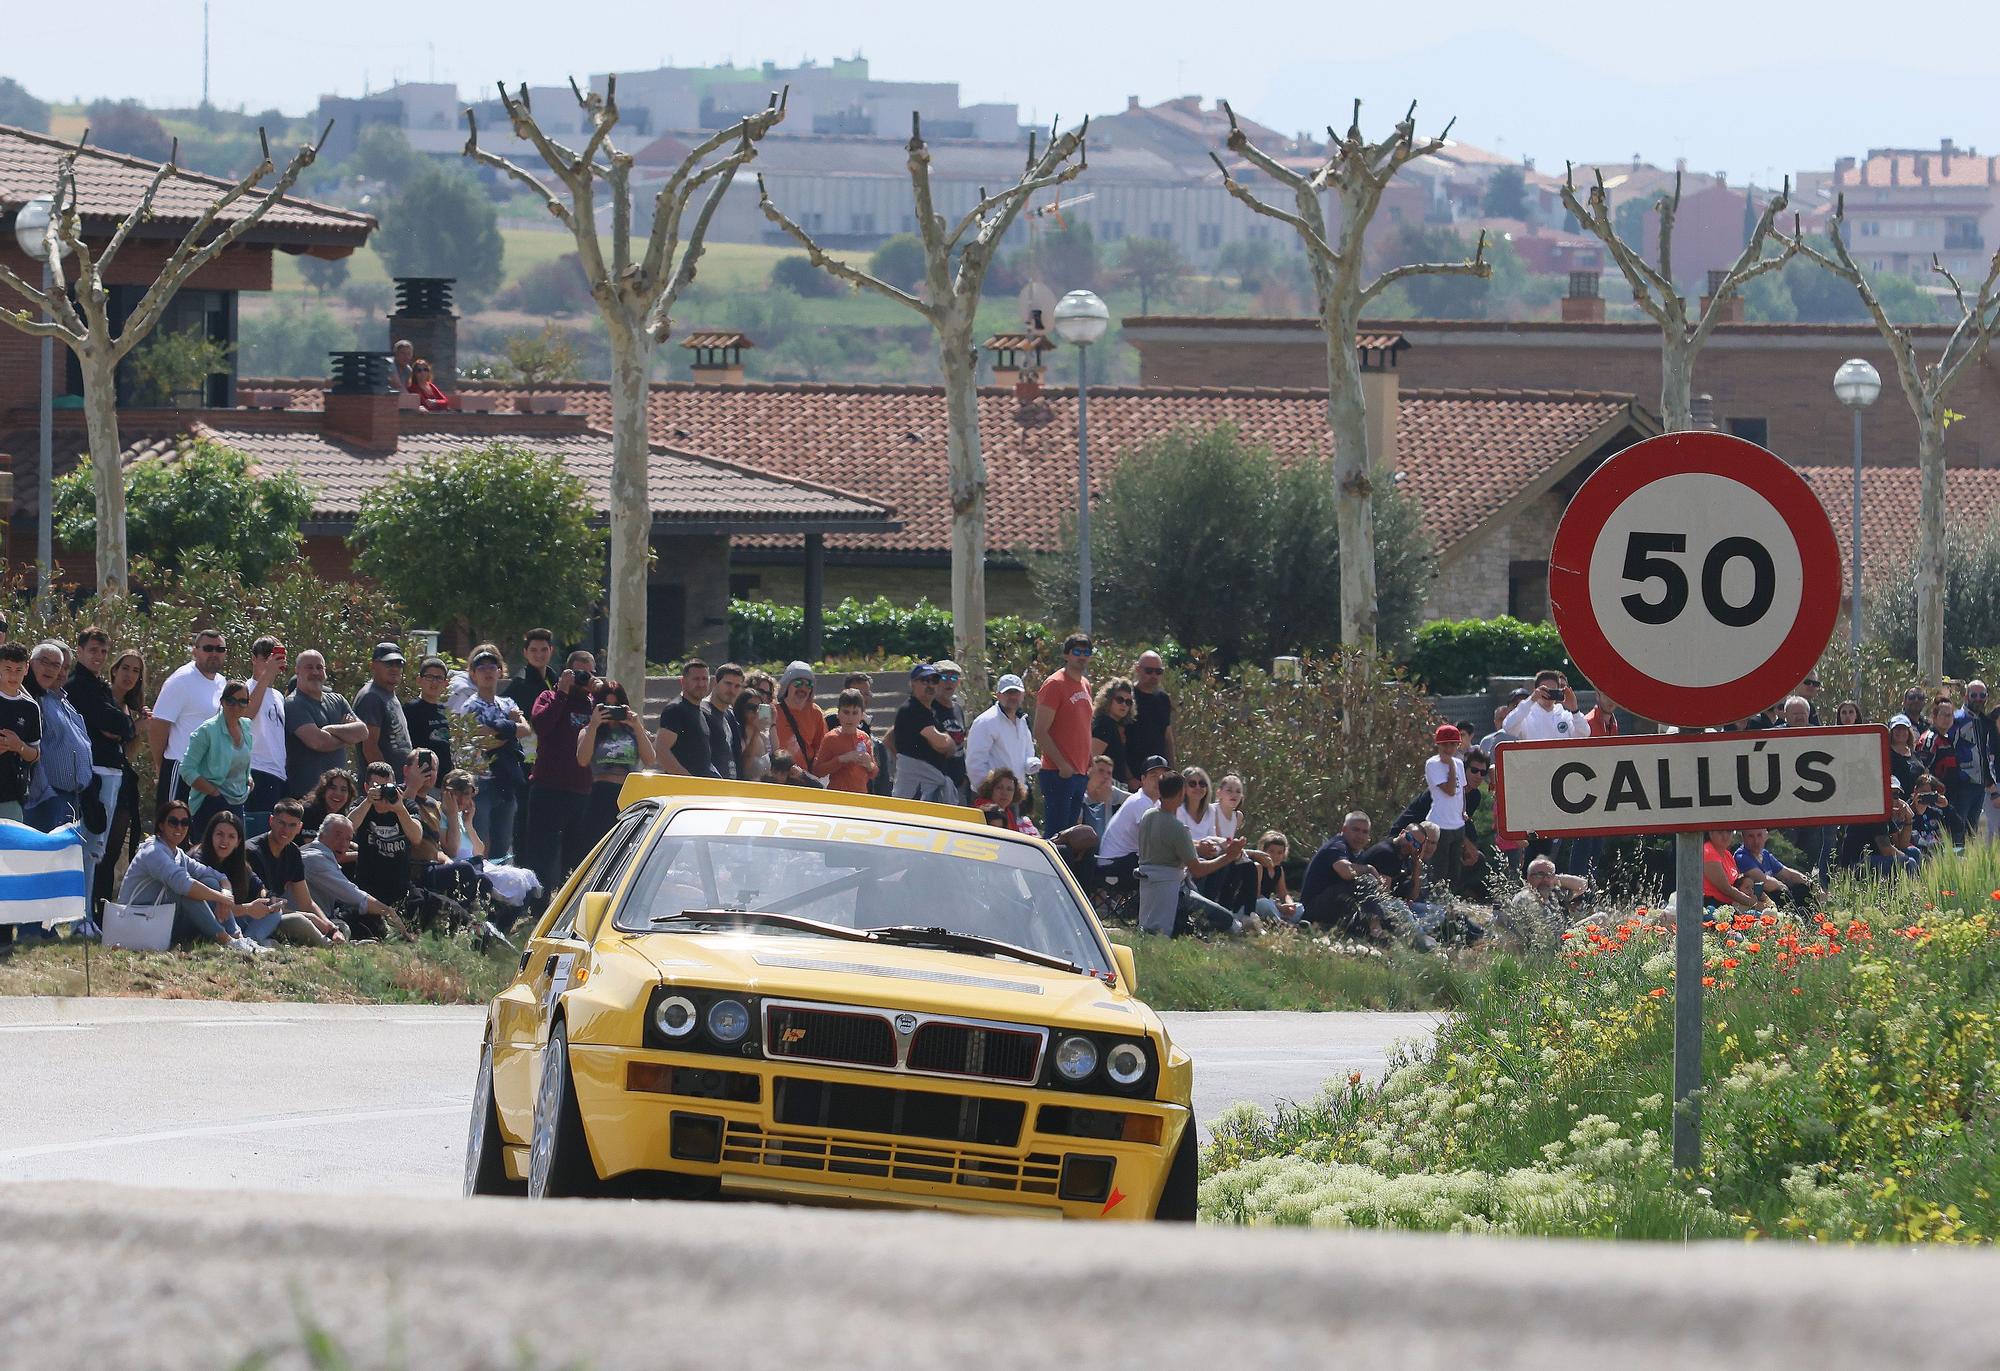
1125 1064
1076 1058
728 1021
675 1016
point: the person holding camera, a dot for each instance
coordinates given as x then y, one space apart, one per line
613 745
386 833
559 788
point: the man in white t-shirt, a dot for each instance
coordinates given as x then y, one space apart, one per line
1444 774
189 698
1118 849
267 733
1548 713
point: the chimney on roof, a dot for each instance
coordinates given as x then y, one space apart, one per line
1895 170
1584 304
1636 163
1843 167
360 404
1382 395
1131 103
1017 357
1732 312
1923 162
718 356
423 316
1701 413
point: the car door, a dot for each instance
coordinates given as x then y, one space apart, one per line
548 963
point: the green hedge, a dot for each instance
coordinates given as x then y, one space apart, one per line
764 631
1455 656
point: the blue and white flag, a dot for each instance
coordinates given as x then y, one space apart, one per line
41 875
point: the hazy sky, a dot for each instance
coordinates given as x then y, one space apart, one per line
1795 87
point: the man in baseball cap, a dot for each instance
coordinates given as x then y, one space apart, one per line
1003 737
922 748
1444 774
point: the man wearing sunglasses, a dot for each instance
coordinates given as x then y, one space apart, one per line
188 699
1150 731
1062 728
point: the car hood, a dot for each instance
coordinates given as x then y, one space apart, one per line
927 980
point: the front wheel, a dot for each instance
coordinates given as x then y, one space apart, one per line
485 1149
1177 1200
559 1165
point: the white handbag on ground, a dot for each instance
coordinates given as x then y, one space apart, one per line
141 927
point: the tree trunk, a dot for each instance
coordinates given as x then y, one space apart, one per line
631 511
968 500
100 414
1676 385
1930 545
1354 488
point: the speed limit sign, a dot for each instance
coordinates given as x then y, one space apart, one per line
1695 579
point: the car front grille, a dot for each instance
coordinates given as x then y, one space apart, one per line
829 1035
908 1113
745 1144
956 1049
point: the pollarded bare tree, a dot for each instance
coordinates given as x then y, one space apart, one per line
635 294
1681 335
1925 386
956 256
1356 172
83 323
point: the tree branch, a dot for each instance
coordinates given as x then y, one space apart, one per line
1639 274
1314 242
988 203
672 201
144 209
1478 266
830 264
1750 263
1909 371
659 315
519 173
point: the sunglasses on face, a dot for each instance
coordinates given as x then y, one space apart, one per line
1197 785
1079 652
237 700
174 821
947 680
1121 699
1475 771
209 647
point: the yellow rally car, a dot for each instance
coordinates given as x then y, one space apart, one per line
759 990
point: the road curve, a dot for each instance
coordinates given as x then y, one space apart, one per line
104 1276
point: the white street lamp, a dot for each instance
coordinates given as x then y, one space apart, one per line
1081 319
31 223
1856 385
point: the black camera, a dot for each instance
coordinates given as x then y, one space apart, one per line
617 712
392 793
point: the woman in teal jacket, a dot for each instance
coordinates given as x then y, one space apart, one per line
216 765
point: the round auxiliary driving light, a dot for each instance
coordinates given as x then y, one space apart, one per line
1125 1064
728 1021
675 1016
1076 1058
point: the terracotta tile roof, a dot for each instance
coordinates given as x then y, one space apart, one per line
109 184
682 487
1430 332
1890 499
1907 170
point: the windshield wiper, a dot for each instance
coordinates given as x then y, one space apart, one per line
914 936
763 916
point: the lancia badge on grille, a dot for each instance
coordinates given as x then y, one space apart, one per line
906 1023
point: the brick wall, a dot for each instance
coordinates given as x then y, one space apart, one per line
1781 375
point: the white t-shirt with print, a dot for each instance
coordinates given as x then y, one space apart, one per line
187 701
267 734
1447 811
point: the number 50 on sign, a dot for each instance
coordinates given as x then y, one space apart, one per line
1690 579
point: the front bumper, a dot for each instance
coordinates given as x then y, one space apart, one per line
830 1135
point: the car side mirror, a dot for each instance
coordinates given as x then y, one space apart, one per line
1128 966
596 905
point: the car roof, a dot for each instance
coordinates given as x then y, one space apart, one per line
654 785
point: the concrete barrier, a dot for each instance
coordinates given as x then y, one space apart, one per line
103 1276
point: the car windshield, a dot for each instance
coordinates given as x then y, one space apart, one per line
860 874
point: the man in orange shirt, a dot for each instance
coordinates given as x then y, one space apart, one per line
846 754
1062 728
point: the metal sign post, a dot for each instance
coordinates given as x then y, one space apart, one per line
1688 948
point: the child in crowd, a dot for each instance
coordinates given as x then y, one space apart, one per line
846 756
20 730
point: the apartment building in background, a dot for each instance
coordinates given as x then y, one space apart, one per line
1906 205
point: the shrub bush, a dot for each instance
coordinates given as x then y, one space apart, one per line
1455 656
764 631
1971 599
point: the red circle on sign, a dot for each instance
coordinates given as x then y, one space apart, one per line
1623 476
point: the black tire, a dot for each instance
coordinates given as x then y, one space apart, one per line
485 1149
1177 1200
559 1165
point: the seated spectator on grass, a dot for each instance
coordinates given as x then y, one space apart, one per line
1273 898
385 835
163 873
1760 868
274 856
1547 903
1101 795
1929 807
1404 863
334 793
425 389
1342 894
1168 859
1000 793
1723 885
367 918
513 886
261 915
216 765
1883 847
846 758
1118 846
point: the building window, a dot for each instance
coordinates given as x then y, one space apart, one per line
1871 228
1208 236
1757 430
1258 233
1160 229
860 223
1114 229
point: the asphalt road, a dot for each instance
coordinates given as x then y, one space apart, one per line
360 1100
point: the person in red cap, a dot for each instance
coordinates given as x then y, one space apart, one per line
1444 774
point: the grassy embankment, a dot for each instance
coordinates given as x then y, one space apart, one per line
1852 1062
